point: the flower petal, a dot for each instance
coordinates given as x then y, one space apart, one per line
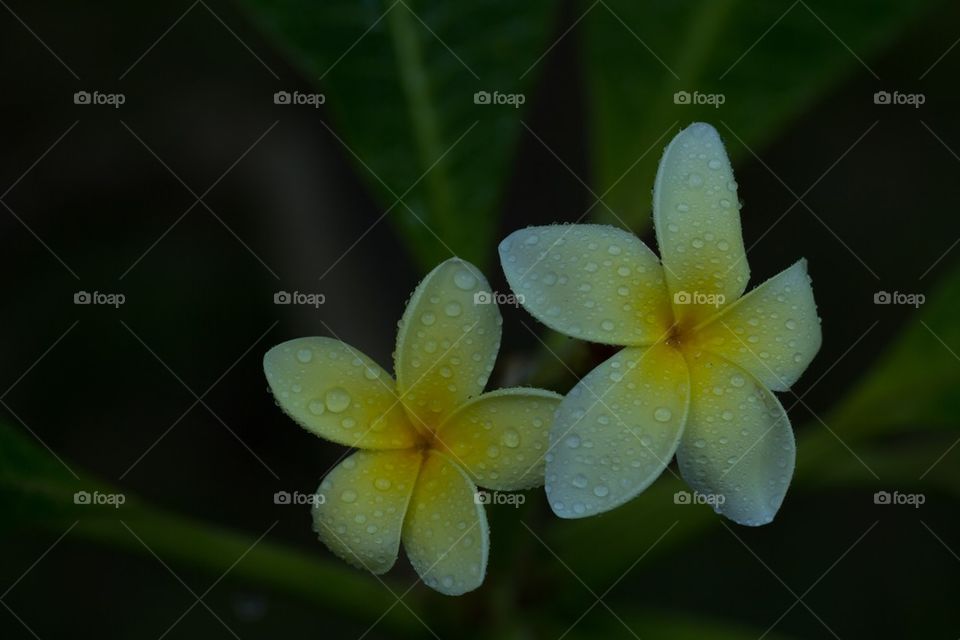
697 218
447 343
445 533
336 392
616 431
500 438
594 282
359 508
738 442
773 332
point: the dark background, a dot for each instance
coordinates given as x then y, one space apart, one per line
100 212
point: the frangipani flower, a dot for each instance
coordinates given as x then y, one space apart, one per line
425 440
700 361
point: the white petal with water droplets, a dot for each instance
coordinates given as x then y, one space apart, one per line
359 508
593 282
697 219
447 342
445 534
616 431
338 393
500 438
773 332
738 442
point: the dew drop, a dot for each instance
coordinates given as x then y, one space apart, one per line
662 414
337 399
511 438
453 309
464 280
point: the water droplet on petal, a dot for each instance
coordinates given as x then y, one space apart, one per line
464 280
337 399
453 309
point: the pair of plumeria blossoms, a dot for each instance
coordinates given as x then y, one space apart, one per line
694 378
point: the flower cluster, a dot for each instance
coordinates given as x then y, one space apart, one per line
694 379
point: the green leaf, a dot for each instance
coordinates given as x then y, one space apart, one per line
769 60
399 79
38 491
914 384
677 625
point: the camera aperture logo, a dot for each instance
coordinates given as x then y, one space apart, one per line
297 98
896 98
696 98
495 297
914 500
299 498
499 498
298 297
115 500
98 98
697 297
896 297
114 300
512 99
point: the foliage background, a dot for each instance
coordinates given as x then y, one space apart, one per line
295 188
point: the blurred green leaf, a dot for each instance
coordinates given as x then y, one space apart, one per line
769 60
677 626
36 490
914 384
400 78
